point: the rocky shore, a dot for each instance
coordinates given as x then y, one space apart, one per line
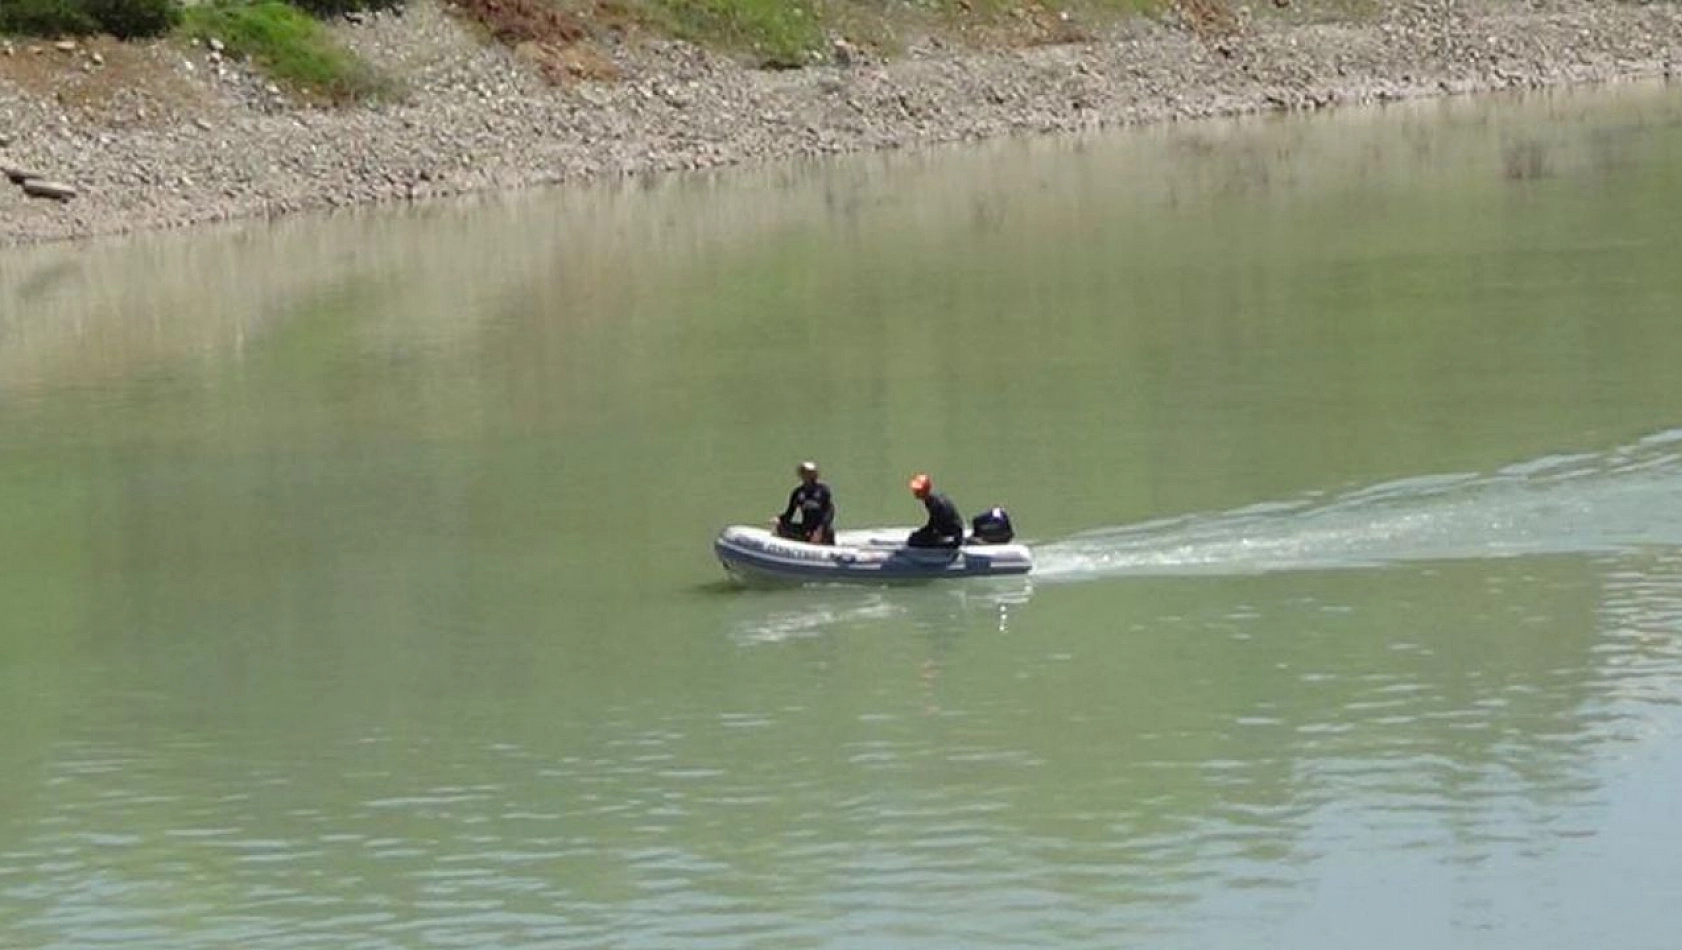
161 134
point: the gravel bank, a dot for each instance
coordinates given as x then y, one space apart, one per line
160 135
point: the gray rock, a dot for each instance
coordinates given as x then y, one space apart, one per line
18 174
42 188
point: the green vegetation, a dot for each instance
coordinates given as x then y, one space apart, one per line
786 33
125 19
288 44
781 33
281 37
774 33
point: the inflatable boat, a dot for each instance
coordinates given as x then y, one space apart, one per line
867 556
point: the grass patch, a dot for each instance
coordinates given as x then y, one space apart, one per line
1028 22
288 45
787 33
778 33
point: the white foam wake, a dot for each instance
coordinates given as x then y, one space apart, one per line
1627 498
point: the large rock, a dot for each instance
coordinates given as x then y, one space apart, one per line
42 188
18 173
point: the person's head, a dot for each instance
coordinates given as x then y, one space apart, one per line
808 472
921 485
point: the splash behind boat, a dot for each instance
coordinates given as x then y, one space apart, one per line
869 556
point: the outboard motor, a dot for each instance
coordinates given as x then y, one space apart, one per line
992 527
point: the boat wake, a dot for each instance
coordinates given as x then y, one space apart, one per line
1622 500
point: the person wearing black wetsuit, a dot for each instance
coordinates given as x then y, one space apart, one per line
945 528
812 502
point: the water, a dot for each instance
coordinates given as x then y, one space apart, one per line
358 589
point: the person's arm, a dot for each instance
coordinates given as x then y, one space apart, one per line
793 503
821 529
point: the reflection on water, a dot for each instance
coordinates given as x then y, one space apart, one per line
771 616
358 591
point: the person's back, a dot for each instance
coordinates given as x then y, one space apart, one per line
945 527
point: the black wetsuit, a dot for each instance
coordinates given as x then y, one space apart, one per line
816 510
945 528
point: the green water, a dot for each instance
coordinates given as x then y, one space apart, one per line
357 588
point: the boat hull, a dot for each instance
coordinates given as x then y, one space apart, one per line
872 556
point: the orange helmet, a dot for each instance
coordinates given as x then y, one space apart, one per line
920 485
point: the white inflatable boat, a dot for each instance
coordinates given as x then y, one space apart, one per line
868 556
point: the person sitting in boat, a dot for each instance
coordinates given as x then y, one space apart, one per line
811 502
945 528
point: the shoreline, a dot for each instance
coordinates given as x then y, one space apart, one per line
159 135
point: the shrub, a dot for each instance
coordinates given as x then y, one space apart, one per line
121 18
46 18
327 8
126 19
287 44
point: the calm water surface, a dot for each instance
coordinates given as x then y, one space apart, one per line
357 589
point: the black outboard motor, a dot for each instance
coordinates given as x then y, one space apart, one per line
991 527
